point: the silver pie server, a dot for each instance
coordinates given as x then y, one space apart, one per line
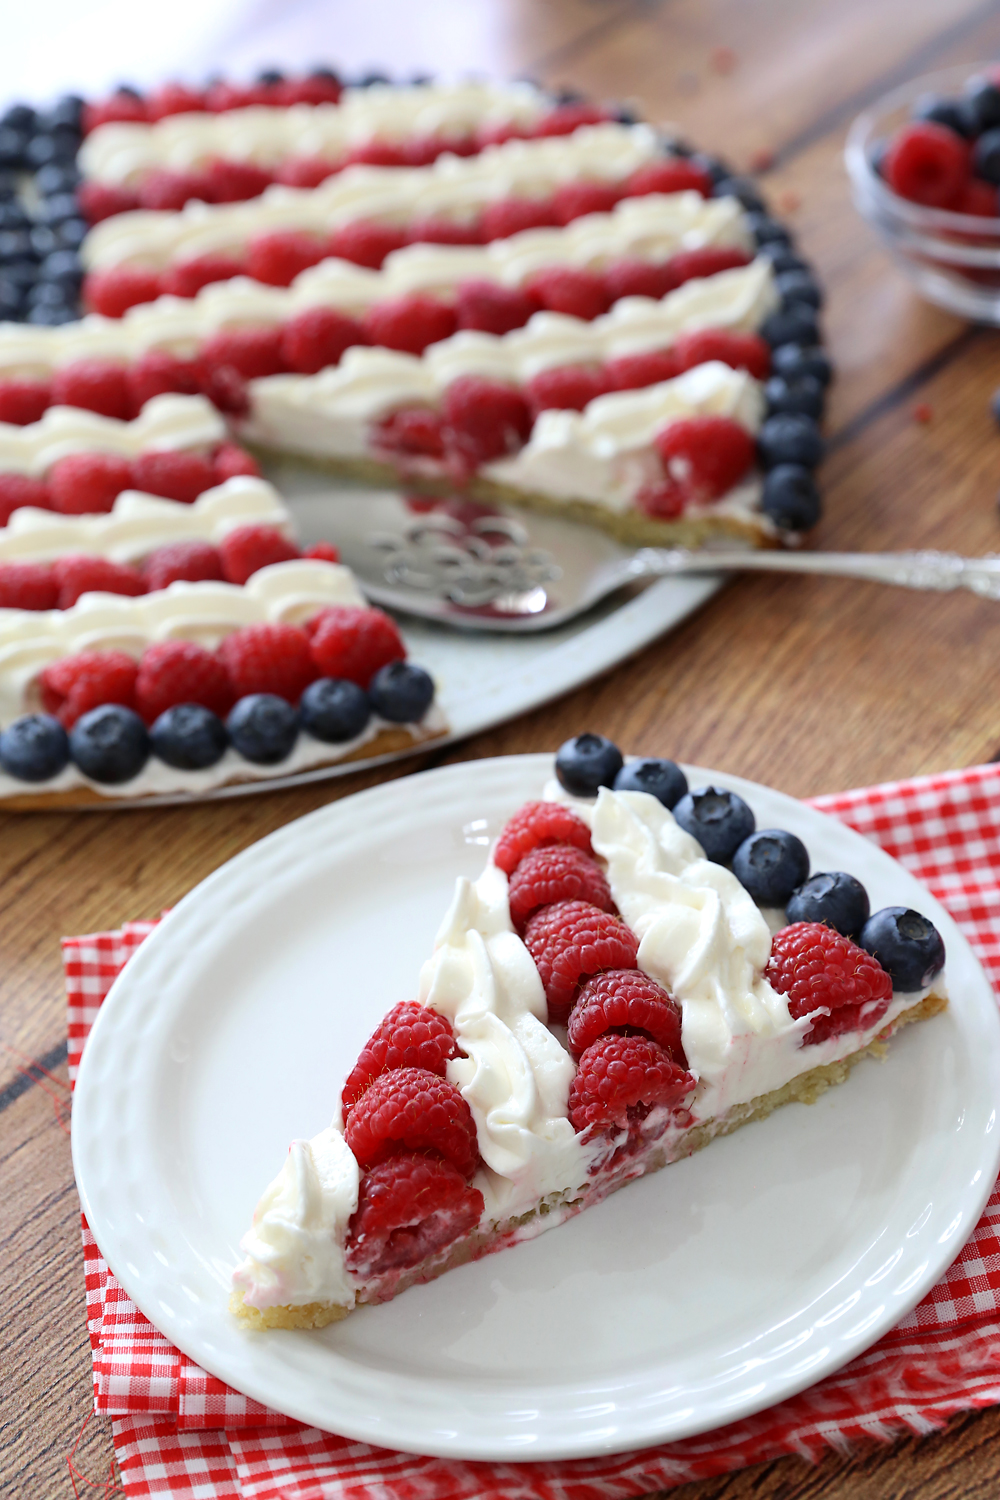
495 568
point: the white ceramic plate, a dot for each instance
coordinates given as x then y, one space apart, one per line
692 1298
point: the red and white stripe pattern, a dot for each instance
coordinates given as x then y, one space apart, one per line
178 1431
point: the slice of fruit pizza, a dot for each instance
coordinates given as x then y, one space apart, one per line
637 970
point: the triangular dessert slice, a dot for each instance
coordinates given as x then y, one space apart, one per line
636 971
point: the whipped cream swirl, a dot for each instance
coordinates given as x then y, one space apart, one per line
166 422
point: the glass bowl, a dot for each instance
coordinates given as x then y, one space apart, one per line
954 259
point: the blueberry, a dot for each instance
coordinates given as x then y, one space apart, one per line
938 110
13 216
768 231
782 257
263 728
789 438
13 146
793 360
717 169
980 105
324 72
662 779
130 90
790 497
58 145
909 948
770 864
795 324
586 763
34 748
368 80
718 819
743 189
15 244
51 315
8 187
110 743
269 77
804 395
189 737
334 710
986 156
55 209
834 898
62 265
66 112
57 177
798 286
43 241
18 117
20 273
401 692
72 233
12 302
49 294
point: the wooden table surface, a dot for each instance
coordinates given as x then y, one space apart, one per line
806 684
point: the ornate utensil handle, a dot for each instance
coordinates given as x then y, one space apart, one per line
940 571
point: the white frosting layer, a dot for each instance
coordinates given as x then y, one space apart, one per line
702 938
203 612
139 523
125 153
454 187
649 228
165 422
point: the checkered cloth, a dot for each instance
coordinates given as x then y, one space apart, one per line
179 1431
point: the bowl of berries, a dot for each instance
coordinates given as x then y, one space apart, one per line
924 163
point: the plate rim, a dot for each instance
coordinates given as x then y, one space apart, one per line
478 1446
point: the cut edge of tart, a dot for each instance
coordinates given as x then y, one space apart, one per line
632 1029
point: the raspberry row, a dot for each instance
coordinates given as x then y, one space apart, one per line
267 683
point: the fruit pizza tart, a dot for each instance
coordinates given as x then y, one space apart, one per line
638 970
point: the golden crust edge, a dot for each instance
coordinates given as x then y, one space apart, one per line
804 1089
386 742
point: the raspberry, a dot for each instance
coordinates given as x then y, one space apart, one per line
410 1036
413 1109
229 460
366 243
578 294
978 198
187 277
353 642
174 99
227 390
498 135
79 574
155 373
223 96
574 199
172 672
513 215
173 474
535 824
638 278
621 1074
322 552
565 388
632 372
556 872
706 456
318 337
23 401
686 265
247 549
75 684
85 484
167 192
565 118
102 200
268 658
120 106
816 967
278 257
442 232
113 292
664 501
376 153
484 419
741 351
626 999
235 181
493 309
413 430
27 585
318 88
409 324
306 171
190 562
251 352
572 940
95 384
927 163
409 1207
20 489
673 176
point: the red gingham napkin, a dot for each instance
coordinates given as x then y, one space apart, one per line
179 1431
